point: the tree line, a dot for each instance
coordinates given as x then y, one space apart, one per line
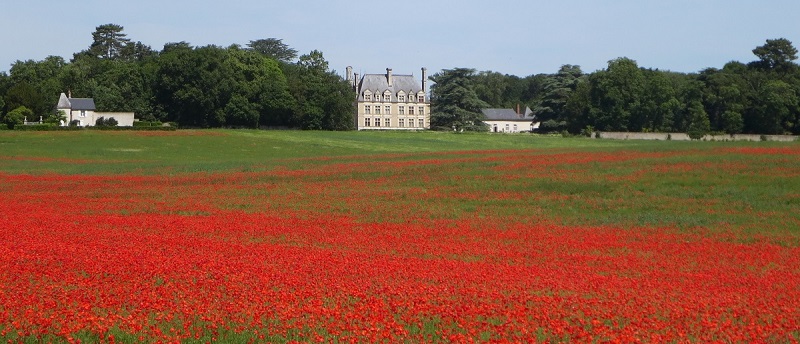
266 84
760 97
262 84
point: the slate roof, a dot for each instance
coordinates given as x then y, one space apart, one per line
507 115
377 84
82 103
75 103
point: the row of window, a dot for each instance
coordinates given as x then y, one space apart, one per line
388 97
496 129
387 110
400 122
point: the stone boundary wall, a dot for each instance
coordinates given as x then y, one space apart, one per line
685 137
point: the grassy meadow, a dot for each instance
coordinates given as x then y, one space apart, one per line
249 236
568 180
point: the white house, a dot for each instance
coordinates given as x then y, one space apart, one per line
509 121
83 110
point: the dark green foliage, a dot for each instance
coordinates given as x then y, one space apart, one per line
147 124
194 87
776 54
455 105
108 41
324 99
556 91
106 122
699 125
273 48
213 87
17 117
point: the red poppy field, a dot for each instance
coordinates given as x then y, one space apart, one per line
526 240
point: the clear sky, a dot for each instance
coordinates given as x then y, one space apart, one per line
507 36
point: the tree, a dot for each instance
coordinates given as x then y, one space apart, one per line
616 94
25 95
732 122
776 54
699 124
41 82
557 90
774 109
108 41
273 48
17 117
136 52
324 100
454 103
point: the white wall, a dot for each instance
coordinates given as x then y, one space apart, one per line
124 119
508 126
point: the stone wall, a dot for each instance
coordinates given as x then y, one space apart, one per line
685 137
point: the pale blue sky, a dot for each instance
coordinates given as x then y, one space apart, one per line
507 36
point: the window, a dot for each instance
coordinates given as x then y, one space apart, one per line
422 123
506 127
401 123
377 122
83 113
421 99
387 123
401 110
421 110
515 128
366 122
367 109
377 109
388 110
411 122
410 110
401 98
367 97
387 97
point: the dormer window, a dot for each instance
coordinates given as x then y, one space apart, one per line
421 99
401 98
387 96
368 97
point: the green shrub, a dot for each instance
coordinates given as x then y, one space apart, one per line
36 127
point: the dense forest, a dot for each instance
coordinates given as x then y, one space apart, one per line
262 85
266 84
756 97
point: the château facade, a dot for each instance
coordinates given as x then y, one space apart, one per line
389 101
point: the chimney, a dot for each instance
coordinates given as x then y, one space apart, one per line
424 79
389 76
519 114
349 77
355 82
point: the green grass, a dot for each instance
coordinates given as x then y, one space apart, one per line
683 184
214 150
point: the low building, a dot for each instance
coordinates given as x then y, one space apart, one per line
390 101
509 121
85 113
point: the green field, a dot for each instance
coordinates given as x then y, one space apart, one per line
214 150
565 180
